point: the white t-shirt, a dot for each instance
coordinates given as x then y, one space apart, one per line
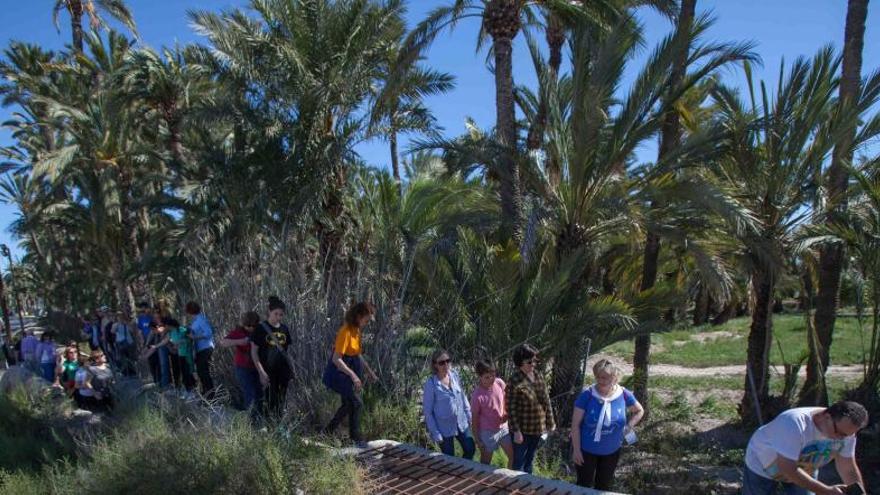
793 435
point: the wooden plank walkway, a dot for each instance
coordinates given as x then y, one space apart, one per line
399 469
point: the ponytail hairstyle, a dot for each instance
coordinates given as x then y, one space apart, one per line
275 303
359 310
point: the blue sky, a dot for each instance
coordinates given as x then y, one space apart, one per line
782 28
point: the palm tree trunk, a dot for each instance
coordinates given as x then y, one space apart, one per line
701 306
506 125
670 136
75 8
831 257
129 238
395 160
758 352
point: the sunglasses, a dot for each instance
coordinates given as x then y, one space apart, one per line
443 362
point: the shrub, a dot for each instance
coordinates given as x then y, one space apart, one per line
32 432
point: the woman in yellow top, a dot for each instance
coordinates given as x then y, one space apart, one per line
344 372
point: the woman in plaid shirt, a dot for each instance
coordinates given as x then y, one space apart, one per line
530 416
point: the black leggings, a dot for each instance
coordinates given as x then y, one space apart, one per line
277 391
351 407
597 471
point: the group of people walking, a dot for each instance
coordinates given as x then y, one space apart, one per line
515 416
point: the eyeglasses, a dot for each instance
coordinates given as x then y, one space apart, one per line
443 362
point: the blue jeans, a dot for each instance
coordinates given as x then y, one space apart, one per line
466 441
249 380
755 484
524 453
47 371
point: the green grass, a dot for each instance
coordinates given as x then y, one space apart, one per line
171 447
680 348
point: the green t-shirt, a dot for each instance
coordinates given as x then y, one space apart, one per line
68 370
180 339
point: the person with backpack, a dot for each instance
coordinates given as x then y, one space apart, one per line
344 373
245 371
604 414
446 407
269 345
202 334
95 384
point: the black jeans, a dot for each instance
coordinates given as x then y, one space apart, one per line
597 471
155 368
203 369
352 406
183 367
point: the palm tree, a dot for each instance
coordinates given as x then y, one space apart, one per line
669 139
310 66
776 151
117 9
831 256
502 20
859 230
399 106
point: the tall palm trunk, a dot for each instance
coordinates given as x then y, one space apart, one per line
501 18
129 237
831 257
395 160
75 8
670 136
758 353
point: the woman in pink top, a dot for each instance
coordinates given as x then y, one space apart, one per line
488 417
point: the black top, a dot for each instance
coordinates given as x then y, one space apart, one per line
272 343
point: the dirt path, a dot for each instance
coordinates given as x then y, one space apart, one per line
736 370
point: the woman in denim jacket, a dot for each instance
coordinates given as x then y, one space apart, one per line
446 408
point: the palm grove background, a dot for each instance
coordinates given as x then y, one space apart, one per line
225 172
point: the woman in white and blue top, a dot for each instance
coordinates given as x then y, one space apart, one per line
446 408
599 425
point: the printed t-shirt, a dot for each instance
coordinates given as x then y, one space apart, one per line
612 432
143 323
794 435
348 341
487 406
242 356
272 343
